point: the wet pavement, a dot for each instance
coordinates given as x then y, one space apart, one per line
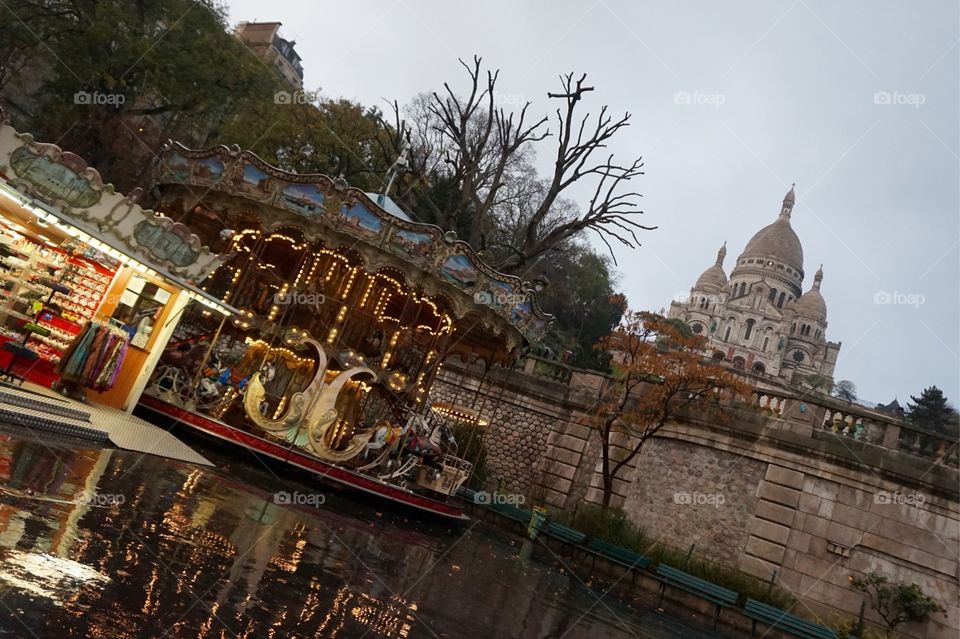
108 544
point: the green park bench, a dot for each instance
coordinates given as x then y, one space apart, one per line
468 494
785 622
563 533
616 554
517 514
718 595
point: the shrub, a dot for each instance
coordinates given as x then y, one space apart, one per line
896 602
471 446
612 525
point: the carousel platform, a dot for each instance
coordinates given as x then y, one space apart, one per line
35 406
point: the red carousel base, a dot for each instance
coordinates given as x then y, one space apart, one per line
166 412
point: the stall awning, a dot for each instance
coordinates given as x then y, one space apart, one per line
89 232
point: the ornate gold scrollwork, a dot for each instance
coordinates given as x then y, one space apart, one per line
323 414
288 425
310 413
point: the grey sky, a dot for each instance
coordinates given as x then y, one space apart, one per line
779 91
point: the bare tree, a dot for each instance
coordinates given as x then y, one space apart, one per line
471 168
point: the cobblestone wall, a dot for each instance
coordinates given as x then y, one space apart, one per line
521 421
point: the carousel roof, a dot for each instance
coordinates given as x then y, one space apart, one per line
324 208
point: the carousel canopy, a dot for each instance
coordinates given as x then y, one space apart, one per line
371 224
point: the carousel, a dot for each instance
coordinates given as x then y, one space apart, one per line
347 311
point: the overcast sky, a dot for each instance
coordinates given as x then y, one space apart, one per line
779 92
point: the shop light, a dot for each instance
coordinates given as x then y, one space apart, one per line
53 220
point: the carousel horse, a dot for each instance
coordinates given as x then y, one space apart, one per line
384 434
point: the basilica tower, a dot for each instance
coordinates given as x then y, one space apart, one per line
759 320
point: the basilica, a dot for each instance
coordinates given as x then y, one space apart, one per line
759 319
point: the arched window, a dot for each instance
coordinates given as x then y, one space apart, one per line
759 367
718 355
726 336
817 334
739 363
766 343
772 296
780 302
749 330
793 329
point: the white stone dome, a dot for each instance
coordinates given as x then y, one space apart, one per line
714 279
811 304
776 241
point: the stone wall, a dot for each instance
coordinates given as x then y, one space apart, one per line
798 498
521 417
683 494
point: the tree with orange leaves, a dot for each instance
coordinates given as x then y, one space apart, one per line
659 369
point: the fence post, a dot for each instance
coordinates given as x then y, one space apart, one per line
773 580
686 564
858 631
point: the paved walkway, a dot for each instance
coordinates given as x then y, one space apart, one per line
35 406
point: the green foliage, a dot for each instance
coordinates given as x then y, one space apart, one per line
163 69
335 137
816 382
470 440
179 74
896 602
845 390
581 296
846 627
612 525
932 412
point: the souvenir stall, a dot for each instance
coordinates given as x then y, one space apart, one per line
91 285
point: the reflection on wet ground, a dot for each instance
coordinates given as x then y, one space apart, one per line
109 544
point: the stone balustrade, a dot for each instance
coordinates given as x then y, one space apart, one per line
804 411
